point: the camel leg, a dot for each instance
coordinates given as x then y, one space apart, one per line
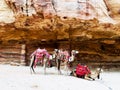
98 76
93 76
45 65
32 64
73 73
32 69
66 67
58 66
88 77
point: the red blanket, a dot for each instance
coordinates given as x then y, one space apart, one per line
82 70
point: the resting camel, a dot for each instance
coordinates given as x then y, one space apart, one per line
85 73
39 55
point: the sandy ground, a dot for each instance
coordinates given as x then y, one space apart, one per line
20 78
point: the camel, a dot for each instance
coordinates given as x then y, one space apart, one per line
39 55
88 75
63 56
59 56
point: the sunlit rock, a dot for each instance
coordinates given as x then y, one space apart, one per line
6 14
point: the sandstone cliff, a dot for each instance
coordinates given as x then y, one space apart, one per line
96 42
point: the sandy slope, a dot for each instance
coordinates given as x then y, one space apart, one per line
19 78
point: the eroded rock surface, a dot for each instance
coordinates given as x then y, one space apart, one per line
96 42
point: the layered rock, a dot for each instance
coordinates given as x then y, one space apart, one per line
97 43
12 54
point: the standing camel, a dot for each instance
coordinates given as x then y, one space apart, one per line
63 56
39 55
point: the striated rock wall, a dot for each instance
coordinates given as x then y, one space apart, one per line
12 54
96 42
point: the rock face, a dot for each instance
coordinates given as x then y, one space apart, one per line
97 43
6 14
115 9
12 54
